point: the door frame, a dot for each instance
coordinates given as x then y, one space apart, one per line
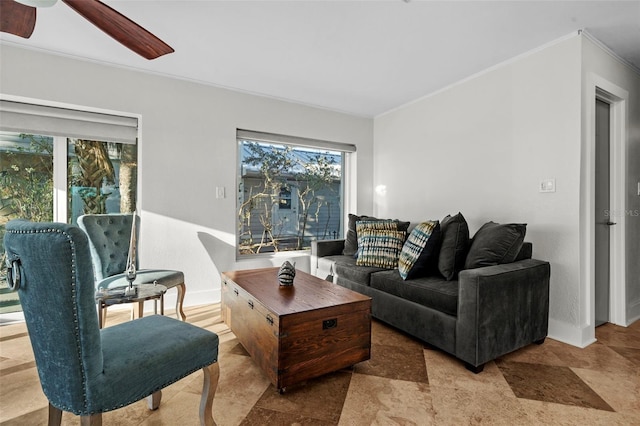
617 98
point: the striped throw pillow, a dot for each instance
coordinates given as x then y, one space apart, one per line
379 247
421 247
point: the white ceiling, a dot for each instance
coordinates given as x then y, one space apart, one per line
363 57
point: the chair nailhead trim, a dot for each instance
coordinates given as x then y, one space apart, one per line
76 327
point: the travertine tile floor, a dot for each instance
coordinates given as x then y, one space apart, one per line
404 383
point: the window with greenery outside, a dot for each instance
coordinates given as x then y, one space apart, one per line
101 178
287 197
26 191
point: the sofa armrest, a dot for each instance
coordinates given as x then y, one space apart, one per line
322 248
501 308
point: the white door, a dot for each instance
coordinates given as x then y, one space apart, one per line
603 215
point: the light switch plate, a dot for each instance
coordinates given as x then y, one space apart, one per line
219 191
547 185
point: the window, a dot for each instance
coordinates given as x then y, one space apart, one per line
100 178
290 192
54 166
26 178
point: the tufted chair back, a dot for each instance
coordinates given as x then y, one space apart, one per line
109 237
51 261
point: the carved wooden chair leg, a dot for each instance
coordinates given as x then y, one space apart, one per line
153 400
55 416
179 312
104 316
211 376
102 313
139 310
91 420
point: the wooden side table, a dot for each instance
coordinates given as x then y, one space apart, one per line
116 295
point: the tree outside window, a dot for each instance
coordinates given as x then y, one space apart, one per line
288 196
26 191
101 178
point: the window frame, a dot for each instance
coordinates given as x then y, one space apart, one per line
347 160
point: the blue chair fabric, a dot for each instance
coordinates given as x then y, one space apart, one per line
109 238
82 369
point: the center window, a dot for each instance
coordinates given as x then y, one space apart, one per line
290 192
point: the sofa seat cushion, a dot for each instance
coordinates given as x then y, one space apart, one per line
345 266
432 291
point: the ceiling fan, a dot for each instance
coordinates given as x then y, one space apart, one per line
18 17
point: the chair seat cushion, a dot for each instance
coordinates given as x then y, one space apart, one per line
165 277
146 355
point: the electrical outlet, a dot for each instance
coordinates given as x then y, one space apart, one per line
547 185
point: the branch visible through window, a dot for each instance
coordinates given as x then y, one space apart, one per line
287 196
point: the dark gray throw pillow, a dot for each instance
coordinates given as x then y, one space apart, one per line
351 239
455 244
495 244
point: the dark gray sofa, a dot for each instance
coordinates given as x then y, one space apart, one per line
485 313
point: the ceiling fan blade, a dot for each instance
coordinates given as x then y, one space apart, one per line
121 28
16 18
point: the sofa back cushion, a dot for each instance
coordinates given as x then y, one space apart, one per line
495 244
454 246
526 252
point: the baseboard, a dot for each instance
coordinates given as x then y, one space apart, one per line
633 314
571 334
194 298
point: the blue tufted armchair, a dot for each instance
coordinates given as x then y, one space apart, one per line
82 369
109 236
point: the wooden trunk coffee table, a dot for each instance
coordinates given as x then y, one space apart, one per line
297 332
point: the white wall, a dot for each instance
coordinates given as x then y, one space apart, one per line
599 68
188 148
482 147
